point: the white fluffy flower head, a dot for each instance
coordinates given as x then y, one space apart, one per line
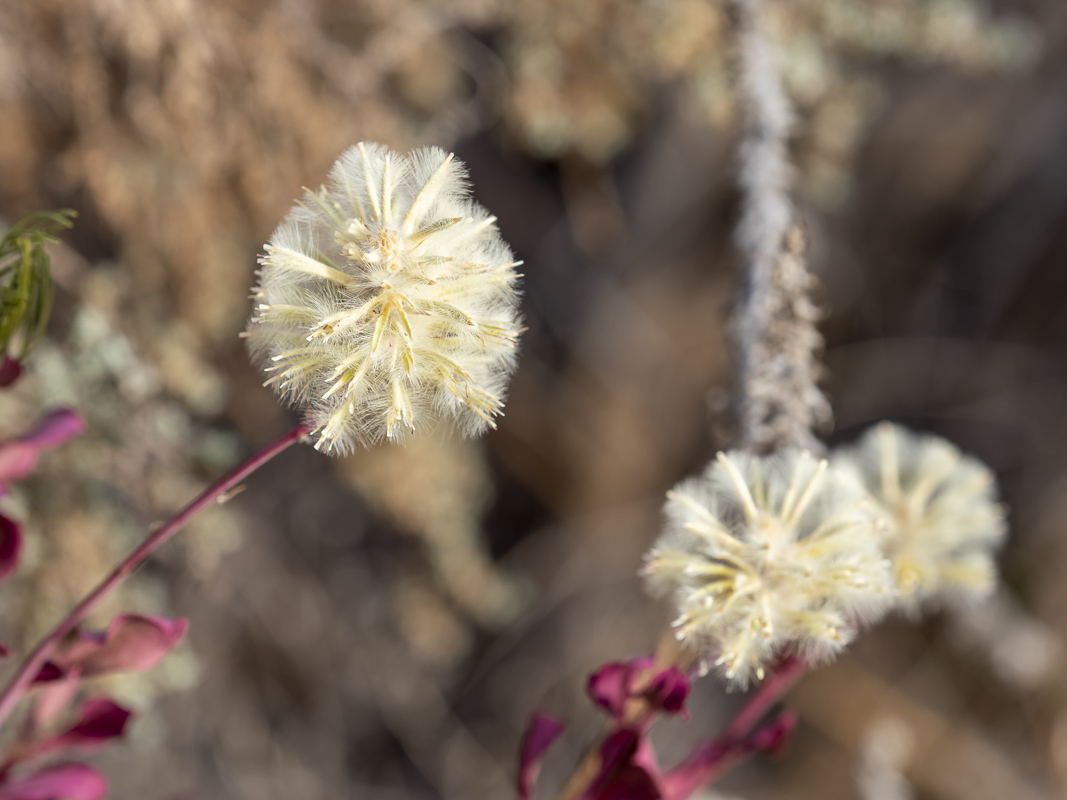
944 519
387 301
768 554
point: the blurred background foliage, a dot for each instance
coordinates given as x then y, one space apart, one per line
383 625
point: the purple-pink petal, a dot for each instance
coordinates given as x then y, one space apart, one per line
542 731
637 779
615 751
132 642
61 782
53 699
628 769
631 783
55 428
19 456
614 684
669 690
49 672
609 687
17 460
10 370
10 545
99 720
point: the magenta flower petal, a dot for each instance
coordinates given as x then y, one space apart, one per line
49 672
669 690
609 687
19 456
637 779
17 460
10 545
131 643
99 720
57 427
614 684
628 769
61 782
631 783
10 370
53 699
542 731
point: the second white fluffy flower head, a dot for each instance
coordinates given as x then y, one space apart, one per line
387 301
944 519
767 554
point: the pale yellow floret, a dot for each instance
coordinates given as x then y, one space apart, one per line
287 259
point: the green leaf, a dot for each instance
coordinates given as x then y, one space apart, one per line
26 288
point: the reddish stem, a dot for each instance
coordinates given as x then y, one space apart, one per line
709 762
790 671
31 666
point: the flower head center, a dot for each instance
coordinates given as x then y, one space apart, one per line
773 536
906 516
387 243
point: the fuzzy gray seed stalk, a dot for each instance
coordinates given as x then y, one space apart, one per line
776 340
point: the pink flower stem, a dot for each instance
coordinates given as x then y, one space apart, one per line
711 761
31 667
780 681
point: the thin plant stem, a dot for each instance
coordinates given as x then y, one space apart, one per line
711 761
31 666
772 690
723 753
